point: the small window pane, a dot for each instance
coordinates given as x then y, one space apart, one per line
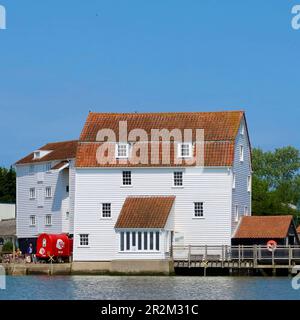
157 241
122 150
127 240
122 241
133 234
151 241
145 240
84 239
139 241
106 210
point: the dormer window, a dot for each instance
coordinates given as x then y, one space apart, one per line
36 155
185 150
122 150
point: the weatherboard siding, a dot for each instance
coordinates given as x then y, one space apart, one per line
40 179
95 186
240 195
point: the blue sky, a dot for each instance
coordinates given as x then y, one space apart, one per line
60 59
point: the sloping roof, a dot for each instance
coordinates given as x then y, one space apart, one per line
59 151
145 212
216 154
220 131
264 227
60 165
7 227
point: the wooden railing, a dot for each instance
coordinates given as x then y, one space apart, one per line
256 254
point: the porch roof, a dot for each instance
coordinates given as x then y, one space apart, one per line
145 212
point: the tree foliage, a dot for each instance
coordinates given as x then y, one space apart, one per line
276 181
7 185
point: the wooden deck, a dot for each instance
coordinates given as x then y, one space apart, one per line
236 257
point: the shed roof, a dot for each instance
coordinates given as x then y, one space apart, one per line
264 227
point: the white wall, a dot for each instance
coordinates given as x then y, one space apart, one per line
240 195
55 206
94 186
7 211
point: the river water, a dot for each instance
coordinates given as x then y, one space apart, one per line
117 287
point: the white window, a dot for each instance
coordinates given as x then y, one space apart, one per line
246 211
67 215
36 154
48 166
126 178
241 153
122 150
234 181
32 194
236 208
83 240
139 241
31 169
106 210
48 192
198 209
32 221
48 220
184 150
178 178
242 129
249 183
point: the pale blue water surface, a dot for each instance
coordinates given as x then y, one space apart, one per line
142 287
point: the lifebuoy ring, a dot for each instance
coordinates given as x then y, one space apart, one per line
271 245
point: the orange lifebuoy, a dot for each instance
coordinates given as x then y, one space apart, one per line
271 245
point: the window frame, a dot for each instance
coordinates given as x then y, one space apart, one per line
242 129
201 209
47 196
236 213
105 210
176 179
34 193
246 211
242 153
123 178
234 181
48 167
179 150
48 223
84 243
122 144
32 216
137 240
249 183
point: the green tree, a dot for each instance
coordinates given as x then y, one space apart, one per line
7 185
276 181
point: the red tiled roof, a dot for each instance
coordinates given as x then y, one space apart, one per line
218 126
145 212
220 130
216 154
60 151
264 227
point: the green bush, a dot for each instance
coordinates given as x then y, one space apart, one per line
7 247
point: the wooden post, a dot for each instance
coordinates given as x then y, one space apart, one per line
273 260
290 256
239 256
189 255
242 253
255 256
223 256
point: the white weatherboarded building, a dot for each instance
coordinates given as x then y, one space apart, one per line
121 211
118 206
45 192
